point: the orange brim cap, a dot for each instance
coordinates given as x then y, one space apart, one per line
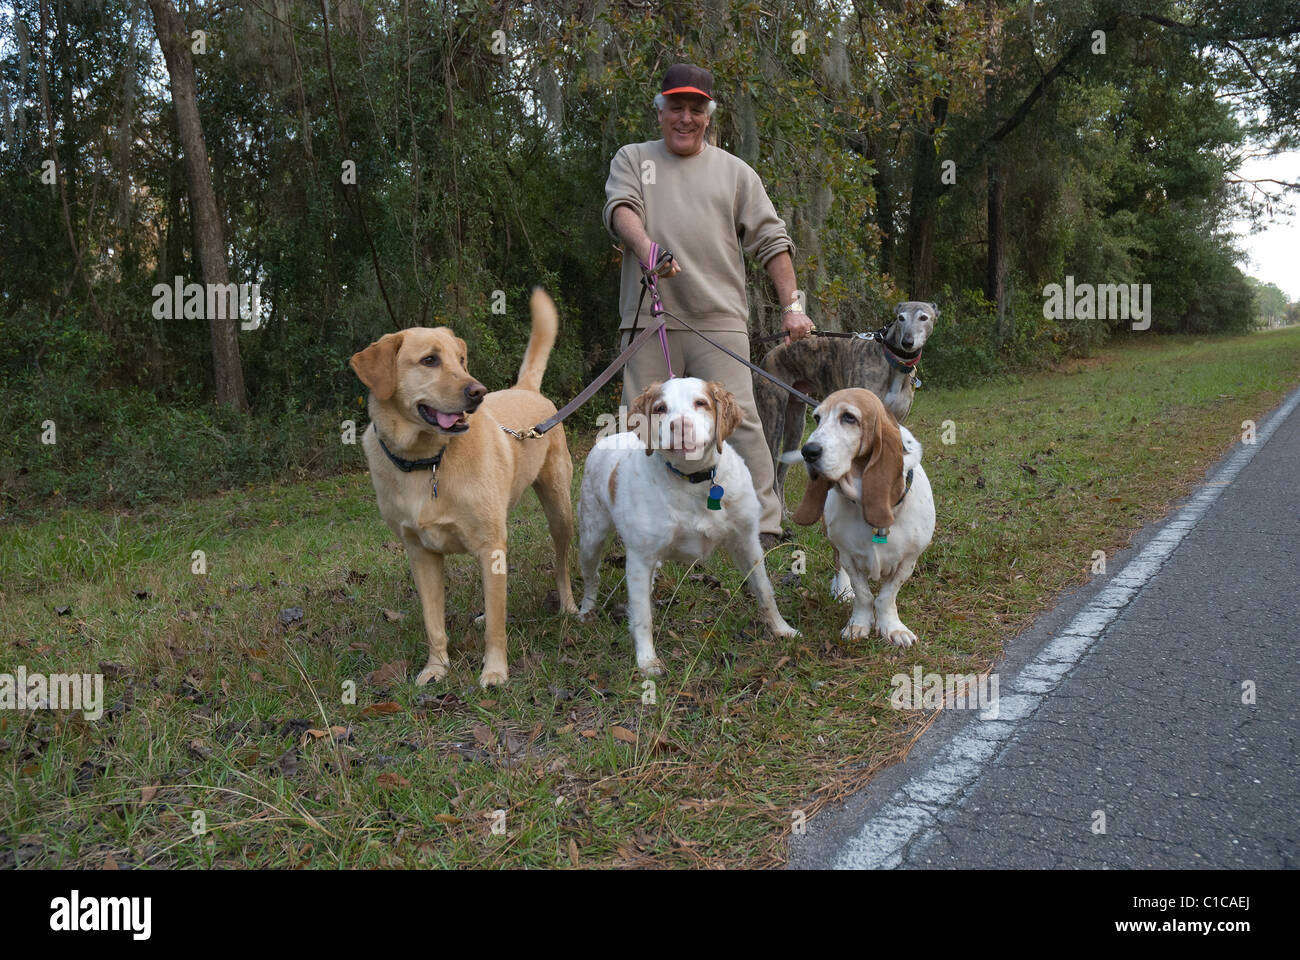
687 90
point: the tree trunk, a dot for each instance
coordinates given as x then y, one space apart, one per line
174 39
925 198
995 277
926 187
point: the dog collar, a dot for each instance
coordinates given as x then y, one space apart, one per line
897 360
714 500
406 466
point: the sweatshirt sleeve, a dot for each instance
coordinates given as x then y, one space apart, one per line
622 187
762 233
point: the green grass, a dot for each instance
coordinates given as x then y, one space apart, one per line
210 696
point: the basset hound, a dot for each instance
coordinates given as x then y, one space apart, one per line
865 476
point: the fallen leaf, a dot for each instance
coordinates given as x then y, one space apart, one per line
589 733
148 793
391 781
567 728
388 673
573 852
255 676
483 735
110 863
377 709
446 818
623 733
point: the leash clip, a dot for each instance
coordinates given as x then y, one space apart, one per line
529 434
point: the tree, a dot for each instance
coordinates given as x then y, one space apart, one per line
208 243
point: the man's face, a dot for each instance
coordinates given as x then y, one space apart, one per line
683 121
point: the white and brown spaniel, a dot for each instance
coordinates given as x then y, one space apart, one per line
673 490
865 474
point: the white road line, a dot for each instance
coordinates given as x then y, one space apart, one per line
914 810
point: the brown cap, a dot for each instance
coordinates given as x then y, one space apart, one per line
685 78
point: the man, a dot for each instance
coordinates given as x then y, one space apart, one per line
708 208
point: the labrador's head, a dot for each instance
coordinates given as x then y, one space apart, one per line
419 374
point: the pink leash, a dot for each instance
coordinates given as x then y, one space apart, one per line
657 307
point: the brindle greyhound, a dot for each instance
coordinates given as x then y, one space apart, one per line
822 365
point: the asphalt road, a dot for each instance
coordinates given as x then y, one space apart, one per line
1125 702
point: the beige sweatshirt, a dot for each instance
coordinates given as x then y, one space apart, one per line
706 209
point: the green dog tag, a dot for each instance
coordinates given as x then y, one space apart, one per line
715 497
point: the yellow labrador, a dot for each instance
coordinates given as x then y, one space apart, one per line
446 474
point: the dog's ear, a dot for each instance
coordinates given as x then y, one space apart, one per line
726 411
934 311
377 365
898 307
881 458
462 352
813 502
641 405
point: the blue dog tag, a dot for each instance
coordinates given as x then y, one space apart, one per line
715 497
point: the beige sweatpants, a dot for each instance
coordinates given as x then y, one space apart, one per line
692 357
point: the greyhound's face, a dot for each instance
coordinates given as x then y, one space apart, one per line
913 321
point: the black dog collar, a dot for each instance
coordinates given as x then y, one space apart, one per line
406 466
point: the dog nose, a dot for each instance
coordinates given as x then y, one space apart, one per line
811 451
907 343
474 393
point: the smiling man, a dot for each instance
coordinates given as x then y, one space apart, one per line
709 208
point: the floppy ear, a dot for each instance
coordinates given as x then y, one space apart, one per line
377 365
882 476
462 353
813 502
641 405
727 412
934 311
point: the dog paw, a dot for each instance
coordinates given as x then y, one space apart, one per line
898 635
652 668
433 670
784 630
478 621
587 613
856 631
492 678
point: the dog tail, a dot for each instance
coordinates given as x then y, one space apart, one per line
545 324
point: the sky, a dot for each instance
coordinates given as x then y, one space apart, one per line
1275 252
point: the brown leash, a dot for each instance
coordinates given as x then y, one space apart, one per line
619 362
535 433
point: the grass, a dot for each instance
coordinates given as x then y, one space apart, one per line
220 705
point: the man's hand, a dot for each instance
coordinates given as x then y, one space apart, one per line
669 269
796 325
628 225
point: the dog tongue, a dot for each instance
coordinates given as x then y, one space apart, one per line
446 420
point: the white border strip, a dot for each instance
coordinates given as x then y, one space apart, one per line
914 810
